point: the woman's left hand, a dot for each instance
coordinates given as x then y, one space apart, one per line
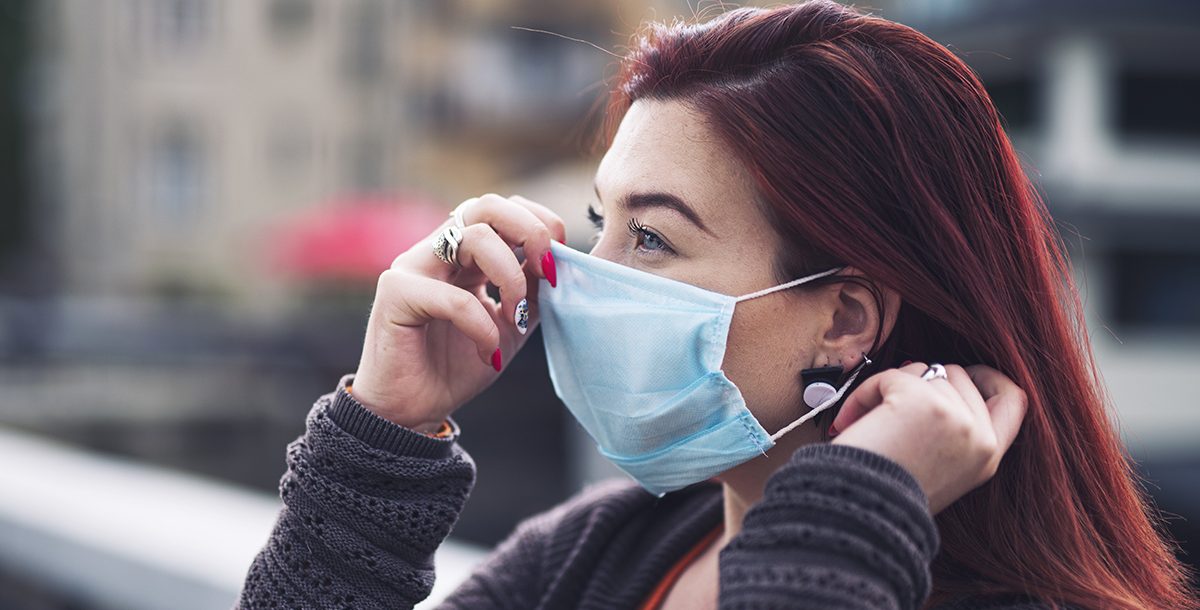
948 433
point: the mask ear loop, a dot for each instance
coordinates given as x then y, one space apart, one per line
785 286
832 400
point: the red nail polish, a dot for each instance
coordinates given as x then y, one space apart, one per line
548 269
831 432
496 360
906 363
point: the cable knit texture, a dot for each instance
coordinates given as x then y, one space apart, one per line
366 503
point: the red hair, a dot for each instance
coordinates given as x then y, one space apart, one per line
874 146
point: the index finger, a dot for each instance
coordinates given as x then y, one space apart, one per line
552 220
869 395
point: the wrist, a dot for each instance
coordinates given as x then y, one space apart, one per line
425 425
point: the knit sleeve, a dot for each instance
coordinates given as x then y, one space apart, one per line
366 504
838 527
518 574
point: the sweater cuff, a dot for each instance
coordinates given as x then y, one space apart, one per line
355 419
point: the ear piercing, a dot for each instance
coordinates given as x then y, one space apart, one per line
820 384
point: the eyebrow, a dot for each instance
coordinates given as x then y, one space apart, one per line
657 199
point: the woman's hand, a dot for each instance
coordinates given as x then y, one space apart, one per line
948 433
435 338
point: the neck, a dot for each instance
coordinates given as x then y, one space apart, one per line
743 486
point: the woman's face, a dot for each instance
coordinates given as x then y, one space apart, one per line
677 203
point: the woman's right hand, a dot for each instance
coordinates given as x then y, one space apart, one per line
950 433
435 338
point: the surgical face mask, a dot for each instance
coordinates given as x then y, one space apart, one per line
637 359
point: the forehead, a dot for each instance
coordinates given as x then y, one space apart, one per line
667 146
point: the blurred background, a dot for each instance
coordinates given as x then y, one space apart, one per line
196 197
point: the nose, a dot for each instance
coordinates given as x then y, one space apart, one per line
601 250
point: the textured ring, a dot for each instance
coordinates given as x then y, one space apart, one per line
445 245
935 371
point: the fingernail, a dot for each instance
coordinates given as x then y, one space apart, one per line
548 269
521 316
831 432
496 360
906 363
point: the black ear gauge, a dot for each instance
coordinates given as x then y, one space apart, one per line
820 384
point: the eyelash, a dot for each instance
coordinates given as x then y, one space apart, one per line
636 229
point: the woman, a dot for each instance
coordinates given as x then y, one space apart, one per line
794 202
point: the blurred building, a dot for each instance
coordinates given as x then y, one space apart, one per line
172 134
168 139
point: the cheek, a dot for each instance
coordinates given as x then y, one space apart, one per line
764 357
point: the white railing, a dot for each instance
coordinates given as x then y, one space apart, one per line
122 534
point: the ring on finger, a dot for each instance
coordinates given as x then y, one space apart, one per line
445 245
935 371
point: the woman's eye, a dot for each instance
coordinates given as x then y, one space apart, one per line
651 241
645 238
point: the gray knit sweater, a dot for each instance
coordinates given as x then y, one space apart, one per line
366 503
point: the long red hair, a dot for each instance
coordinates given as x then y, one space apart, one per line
876 147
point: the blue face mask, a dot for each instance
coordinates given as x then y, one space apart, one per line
637 359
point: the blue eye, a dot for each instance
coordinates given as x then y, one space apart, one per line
645 238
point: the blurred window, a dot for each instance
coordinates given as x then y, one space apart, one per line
1016 100
180 25
175 174
1156 289
290 20
363 58
1158 104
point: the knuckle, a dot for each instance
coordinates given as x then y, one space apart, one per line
475 231
389 281
490 198
461 300
514 283
493 333
990 468
990 447
939 410
993 465
386 277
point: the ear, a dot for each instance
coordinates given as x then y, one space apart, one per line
854 316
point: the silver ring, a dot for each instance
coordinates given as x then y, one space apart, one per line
457 215
935 371
445 245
